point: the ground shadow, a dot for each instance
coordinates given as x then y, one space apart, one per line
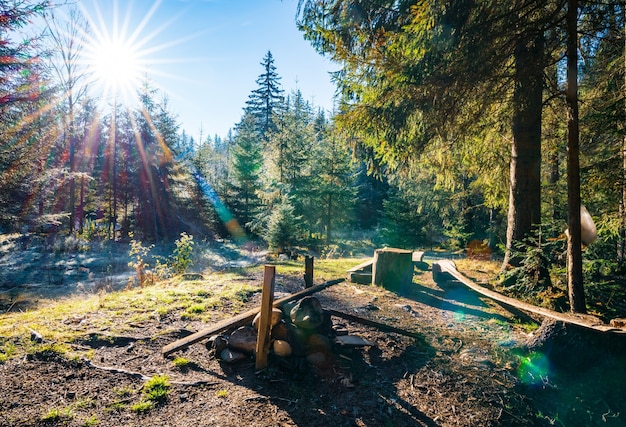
453 298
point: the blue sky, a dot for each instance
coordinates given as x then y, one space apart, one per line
206 54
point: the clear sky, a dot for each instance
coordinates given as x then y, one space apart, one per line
206 54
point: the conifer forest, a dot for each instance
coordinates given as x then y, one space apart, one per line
491 125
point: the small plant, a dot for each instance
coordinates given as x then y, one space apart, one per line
91 421
124 391
139 252
142 406
181 363
157 388
221 394
181 257
7 351
196 309
56 415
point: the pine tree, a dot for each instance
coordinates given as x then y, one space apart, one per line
247 160
414 72
265 101
332 189
27 131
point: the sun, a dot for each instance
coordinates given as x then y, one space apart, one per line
115 57
115 66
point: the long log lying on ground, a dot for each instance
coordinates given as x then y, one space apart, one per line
584 320
381 326
240 320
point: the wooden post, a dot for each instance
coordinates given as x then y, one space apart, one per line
308 271
267 301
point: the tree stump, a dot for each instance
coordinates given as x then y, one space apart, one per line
393 269
572 347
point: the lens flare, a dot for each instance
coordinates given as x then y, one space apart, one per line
232 225
533 369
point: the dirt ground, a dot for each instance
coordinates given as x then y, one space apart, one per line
461 372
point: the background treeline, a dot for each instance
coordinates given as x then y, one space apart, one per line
417 153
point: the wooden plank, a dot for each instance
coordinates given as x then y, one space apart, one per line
263 334
381 326
240 320
363 266
584 320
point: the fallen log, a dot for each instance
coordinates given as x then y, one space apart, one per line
381 326
446 267
241 319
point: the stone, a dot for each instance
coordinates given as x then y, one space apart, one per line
277 316
318 342
282 348
243 339
280 331
232 356
307 313
320 360
217 343
618 323
353 341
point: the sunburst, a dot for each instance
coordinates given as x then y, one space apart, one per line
117 58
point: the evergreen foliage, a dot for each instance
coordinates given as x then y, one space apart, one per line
266 100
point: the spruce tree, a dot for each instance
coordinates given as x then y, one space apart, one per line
247 159
265 101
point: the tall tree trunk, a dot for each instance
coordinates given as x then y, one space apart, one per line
621 246
525 187
574 250
115 178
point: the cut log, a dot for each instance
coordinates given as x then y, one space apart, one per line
240 320
380 326
446 268
393 269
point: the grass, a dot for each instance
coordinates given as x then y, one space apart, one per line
155 391
71 319
91 421
58 415
182 363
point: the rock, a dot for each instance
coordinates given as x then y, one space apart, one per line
36 336
243 339
307 313
232 356
280 331
320 360
353 341
318 342
282 348
277 316
217 343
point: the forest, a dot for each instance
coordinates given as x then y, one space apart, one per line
453 124
491 132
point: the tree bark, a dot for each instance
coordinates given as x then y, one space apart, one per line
525 188
574 248
621 245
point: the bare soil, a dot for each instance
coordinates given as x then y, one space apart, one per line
466 370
